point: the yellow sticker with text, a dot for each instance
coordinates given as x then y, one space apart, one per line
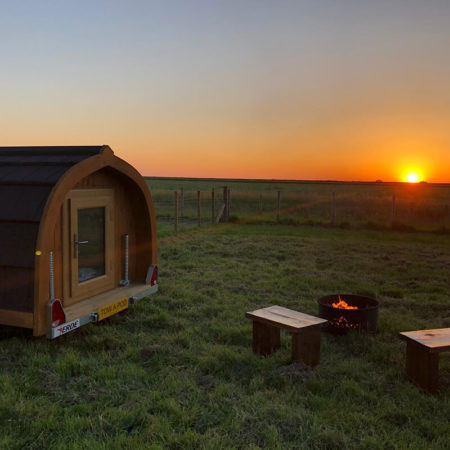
112 308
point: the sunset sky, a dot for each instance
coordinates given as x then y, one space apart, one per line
343 90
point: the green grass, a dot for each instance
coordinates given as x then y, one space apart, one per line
177 370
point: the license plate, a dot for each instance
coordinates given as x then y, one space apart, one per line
112 308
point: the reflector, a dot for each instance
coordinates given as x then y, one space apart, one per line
154 279
58 316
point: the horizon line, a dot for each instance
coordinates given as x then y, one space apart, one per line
281 180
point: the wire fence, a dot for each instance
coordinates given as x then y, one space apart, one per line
401 209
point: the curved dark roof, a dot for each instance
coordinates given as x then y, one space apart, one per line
27 176
40 166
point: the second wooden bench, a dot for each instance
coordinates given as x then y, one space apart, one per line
422 356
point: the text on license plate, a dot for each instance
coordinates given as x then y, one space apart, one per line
112 308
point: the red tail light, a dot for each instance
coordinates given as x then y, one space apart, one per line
154 279
58 316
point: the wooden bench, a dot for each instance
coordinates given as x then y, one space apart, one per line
422 356
305 329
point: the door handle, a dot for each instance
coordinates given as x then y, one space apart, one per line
76 243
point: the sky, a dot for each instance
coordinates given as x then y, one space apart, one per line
324 89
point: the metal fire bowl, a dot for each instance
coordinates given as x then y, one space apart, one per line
365 318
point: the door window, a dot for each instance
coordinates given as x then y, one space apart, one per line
91 243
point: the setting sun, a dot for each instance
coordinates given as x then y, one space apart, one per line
412 178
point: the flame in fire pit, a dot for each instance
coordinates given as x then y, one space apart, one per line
341 304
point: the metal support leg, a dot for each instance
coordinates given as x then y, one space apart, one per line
52 278
126 281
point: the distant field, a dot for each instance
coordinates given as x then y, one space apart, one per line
177 371
422 206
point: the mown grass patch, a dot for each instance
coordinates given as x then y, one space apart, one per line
177 370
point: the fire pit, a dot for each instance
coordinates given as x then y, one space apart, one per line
349 312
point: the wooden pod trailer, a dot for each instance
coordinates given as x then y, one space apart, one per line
77 237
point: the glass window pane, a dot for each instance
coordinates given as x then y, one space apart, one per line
91 243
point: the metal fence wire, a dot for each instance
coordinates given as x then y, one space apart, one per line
373 206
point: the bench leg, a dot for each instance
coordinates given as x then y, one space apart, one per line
422 367
306 346
266 339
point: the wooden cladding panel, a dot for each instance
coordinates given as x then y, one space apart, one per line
16 318
16 288
142 250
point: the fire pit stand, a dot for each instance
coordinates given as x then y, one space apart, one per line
354 312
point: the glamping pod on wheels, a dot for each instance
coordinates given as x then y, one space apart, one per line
77 237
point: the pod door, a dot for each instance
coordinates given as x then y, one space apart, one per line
90 224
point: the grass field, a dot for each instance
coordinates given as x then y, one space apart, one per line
177 371
369 205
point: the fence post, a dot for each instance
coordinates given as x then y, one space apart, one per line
225 201
394 207
199 215
176 212
181 203
333 209
213 206
278 205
